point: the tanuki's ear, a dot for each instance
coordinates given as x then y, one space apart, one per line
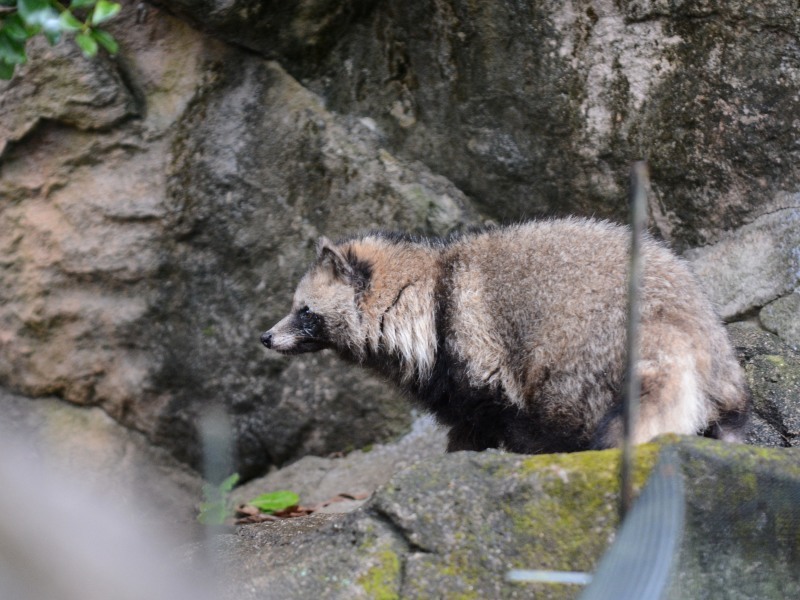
327 251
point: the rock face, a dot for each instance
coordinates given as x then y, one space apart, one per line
148 244
755 266
98 97
780 317
85 447
773 373
540 107
317 480
159 207
743 513
299 30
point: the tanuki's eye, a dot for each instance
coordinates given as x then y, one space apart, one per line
309 322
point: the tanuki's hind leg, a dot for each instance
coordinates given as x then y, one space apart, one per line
671 402
732 402
731 426
469 436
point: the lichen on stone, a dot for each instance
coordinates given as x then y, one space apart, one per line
568 525
382 581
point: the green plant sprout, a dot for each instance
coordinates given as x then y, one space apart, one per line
21 20
216 505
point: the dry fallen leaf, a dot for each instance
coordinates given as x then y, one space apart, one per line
249 514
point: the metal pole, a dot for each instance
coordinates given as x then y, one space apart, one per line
630 407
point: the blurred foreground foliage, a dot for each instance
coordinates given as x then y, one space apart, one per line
21 20
216 506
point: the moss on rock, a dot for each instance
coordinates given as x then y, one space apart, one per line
572 520
382 581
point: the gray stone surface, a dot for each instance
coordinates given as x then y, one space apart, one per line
454 525
304 30
753 265
742 524
97 97
540 107
773 373
318 479
450 525
98 456
782 317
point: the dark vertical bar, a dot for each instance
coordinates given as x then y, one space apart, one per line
638 209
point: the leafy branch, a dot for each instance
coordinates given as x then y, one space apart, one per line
21 20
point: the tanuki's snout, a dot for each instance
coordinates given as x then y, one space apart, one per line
293 335
266 338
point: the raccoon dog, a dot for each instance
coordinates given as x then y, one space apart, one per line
514 337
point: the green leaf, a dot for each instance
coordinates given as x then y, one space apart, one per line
215 509
29 7
35 12
69 22
12 52
14 27
104 10
86 43
6 70
81 3
212 513
275 501
107 41
39 13
228 483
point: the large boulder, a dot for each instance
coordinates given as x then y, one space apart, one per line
147 245
449 526
539 107
754 266
454 526
772 370
101 458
